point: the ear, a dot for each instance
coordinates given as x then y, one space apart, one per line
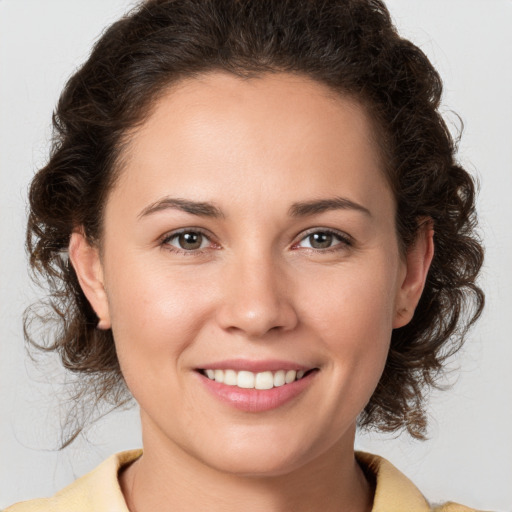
85 259
417 263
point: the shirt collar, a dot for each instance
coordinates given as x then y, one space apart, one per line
100 490
393 491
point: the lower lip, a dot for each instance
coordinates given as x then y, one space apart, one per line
257 400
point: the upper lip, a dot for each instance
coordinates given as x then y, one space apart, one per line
272 365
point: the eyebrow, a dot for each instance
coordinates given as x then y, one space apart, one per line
299 209
303 209
199 208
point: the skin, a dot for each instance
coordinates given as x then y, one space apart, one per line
256 289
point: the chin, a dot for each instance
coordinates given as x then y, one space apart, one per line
269 464
260 455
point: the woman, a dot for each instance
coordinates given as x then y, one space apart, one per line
253 221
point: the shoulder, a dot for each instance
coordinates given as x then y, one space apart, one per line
99 490
394 492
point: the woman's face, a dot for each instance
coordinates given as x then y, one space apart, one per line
251 235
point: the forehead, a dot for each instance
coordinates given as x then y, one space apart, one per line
221 96
278 131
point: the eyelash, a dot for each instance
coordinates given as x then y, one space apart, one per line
344 241
166 239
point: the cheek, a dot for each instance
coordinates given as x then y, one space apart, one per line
155 316
353 311
356 299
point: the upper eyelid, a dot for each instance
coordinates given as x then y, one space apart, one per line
174 233
340 234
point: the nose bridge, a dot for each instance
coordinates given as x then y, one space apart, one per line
256 298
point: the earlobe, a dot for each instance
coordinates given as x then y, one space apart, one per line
85 259
417 262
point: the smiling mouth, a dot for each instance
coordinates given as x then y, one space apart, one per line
261 380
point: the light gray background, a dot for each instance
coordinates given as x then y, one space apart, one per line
469 455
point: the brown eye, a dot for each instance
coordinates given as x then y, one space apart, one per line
320 240
325 239
190 241
187 240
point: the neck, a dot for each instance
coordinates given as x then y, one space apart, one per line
171 479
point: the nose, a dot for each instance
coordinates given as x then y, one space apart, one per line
257 298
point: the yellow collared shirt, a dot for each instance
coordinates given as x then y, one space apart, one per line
99 490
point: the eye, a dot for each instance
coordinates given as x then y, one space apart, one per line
187 240
323 239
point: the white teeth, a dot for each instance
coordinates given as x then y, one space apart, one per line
245 380
264 380
279 378
230 378
250 380
290 376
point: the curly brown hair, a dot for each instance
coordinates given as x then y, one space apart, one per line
349 45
